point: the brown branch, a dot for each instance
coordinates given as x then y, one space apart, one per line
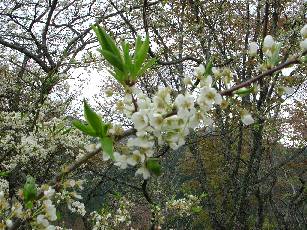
295 60
86 157
28 53
45 31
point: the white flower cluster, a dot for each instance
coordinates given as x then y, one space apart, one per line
4 204
183 206
106 219
4 185
77 207
47 209
164 120
9 211
43 210
42 220
269 44
69 196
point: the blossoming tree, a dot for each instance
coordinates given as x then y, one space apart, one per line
44 163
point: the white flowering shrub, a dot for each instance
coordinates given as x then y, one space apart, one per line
116 218
52 143
38 208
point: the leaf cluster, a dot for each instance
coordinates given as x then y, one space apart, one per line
95 127
126 67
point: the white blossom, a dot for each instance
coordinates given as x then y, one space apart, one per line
77 207
120 160
144 172
9 223
17 209
185 102
128 105
176 139
135 158
4 185
3 202
105 156
247 118
162 100
140 120
206 81
140 141
187 80
156 120
50 210
200 70
90 148
216 71
116 129
143 102
49 193
41 220
185 106
207 97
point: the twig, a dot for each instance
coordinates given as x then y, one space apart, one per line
279 67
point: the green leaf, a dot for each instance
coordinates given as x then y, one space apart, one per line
29 191
138 45
112 59
208 69
141 54
93 119
105 129
29 204
127 57
4 174
118 75
58 215
275 57
196 209
105 40
243 91
84 128
153 166
107 146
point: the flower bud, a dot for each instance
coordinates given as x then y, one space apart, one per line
187 81
268 42
253 47
109 92
200 70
